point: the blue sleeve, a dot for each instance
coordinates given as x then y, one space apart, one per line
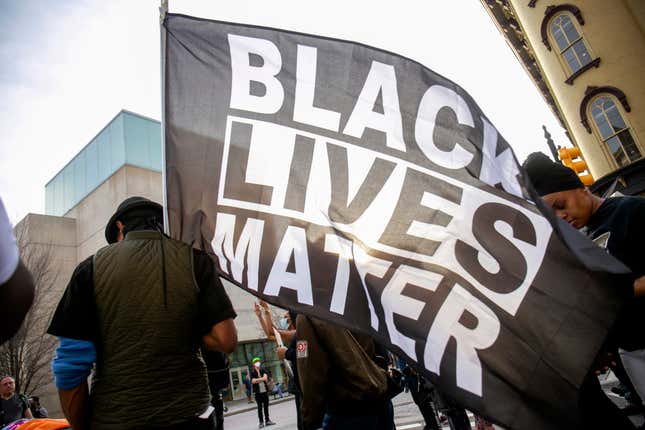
73 362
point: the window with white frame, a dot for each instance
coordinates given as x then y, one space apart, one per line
613 130
572 47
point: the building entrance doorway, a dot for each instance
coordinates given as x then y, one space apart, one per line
238 390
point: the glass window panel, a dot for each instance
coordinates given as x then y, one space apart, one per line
49 199
276 372
117 143
616 151
615 119
582 52
136 138
68 178
80 189
603 126
237 358
254 350
91 166
573 62
569 29
629 145
559 37
103 147
58 195
117 146
154 136
270 352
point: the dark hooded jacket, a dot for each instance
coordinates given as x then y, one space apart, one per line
336 371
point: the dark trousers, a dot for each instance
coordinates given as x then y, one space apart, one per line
298 397
218 404
422 396
262 399
597 411
458 418
380 417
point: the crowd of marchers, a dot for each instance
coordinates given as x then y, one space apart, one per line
147 320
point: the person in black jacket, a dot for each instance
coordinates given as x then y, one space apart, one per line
615 224
342 385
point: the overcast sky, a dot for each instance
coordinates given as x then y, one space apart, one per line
67 67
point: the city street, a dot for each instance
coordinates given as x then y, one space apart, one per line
406 413
406 416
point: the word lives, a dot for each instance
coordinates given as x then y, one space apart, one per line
380 213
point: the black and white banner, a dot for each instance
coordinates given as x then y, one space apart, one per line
358 186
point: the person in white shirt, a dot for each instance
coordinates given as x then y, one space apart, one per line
16 283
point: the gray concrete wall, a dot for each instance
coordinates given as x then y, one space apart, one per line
93 212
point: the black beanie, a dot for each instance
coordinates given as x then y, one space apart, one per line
548 176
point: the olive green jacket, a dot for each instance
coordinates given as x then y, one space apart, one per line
149 370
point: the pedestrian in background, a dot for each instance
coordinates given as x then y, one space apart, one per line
247 386
13 406
260 381
286 328
37 410
422 395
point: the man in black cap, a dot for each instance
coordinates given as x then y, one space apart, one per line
618 225
139 309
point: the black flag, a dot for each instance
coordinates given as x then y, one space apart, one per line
356 185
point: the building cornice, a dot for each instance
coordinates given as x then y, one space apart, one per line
503 16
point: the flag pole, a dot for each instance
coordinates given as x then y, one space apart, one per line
163 9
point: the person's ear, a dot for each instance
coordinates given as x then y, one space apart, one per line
120 226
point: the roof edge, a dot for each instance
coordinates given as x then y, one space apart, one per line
122 111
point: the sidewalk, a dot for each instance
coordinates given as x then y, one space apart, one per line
240 406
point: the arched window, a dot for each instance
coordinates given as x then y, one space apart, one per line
571 45
613 130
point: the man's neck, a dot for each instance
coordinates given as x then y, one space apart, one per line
596 202
6 396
